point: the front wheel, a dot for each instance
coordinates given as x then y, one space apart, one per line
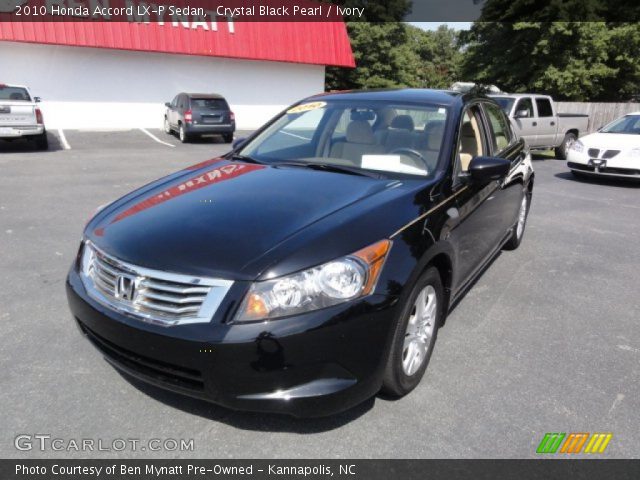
562 152
415 335
521 223
227 137
167 126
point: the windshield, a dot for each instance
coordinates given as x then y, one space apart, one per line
14 93
379 136
505 103
629 124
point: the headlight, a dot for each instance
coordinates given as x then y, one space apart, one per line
635 153
577 146
329 284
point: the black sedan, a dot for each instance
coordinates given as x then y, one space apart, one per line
312 266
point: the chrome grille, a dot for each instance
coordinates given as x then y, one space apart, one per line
150 295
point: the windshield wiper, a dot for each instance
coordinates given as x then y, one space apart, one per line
245 158
330 167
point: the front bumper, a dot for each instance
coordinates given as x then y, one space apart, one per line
604 170
315 364
21 131
620 165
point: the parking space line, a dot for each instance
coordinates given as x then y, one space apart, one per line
63 140
156 138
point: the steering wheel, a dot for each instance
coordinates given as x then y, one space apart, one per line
413 153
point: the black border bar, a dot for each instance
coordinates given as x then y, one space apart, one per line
542 469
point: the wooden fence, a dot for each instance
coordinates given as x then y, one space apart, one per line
599 113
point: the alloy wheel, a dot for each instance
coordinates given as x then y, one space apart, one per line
420 330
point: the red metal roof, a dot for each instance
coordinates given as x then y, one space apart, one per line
321 43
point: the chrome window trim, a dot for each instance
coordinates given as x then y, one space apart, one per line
211 303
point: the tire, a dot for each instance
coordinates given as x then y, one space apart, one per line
563 150
401 375
167 126
42 142
182 134
521 223
227 137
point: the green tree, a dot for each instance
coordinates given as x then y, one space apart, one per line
396 54
568 60
572 59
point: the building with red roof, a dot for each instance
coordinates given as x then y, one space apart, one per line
107 74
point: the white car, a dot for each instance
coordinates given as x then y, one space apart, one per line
614 150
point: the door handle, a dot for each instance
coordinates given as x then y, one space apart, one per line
553 123
535 124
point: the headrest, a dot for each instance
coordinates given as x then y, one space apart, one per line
359 131
433 132
467 130
385 117
403 122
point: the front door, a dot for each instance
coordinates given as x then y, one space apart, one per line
527 127
478 213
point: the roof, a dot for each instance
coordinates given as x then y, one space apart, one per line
409 95
203 95
517 95
318 43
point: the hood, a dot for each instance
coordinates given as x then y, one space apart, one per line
611 141
217 219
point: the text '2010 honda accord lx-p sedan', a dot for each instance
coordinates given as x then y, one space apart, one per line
310 267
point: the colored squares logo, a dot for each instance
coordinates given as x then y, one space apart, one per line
574 443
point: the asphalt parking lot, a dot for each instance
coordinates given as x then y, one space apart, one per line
548 339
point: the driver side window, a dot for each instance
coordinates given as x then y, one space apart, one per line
524 104
470 139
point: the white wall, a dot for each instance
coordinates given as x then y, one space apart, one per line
98 88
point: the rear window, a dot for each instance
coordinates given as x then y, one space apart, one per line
14 93
216 103
544 107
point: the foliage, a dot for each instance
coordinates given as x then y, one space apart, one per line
395 54
571 60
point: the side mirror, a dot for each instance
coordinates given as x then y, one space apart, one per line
522 114
167 104
486 169
238 142
37 99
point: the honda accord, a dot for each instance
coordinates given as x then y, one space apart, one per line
311 266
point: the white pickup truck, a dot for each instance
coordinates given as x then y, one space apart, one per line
535 118
20 116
